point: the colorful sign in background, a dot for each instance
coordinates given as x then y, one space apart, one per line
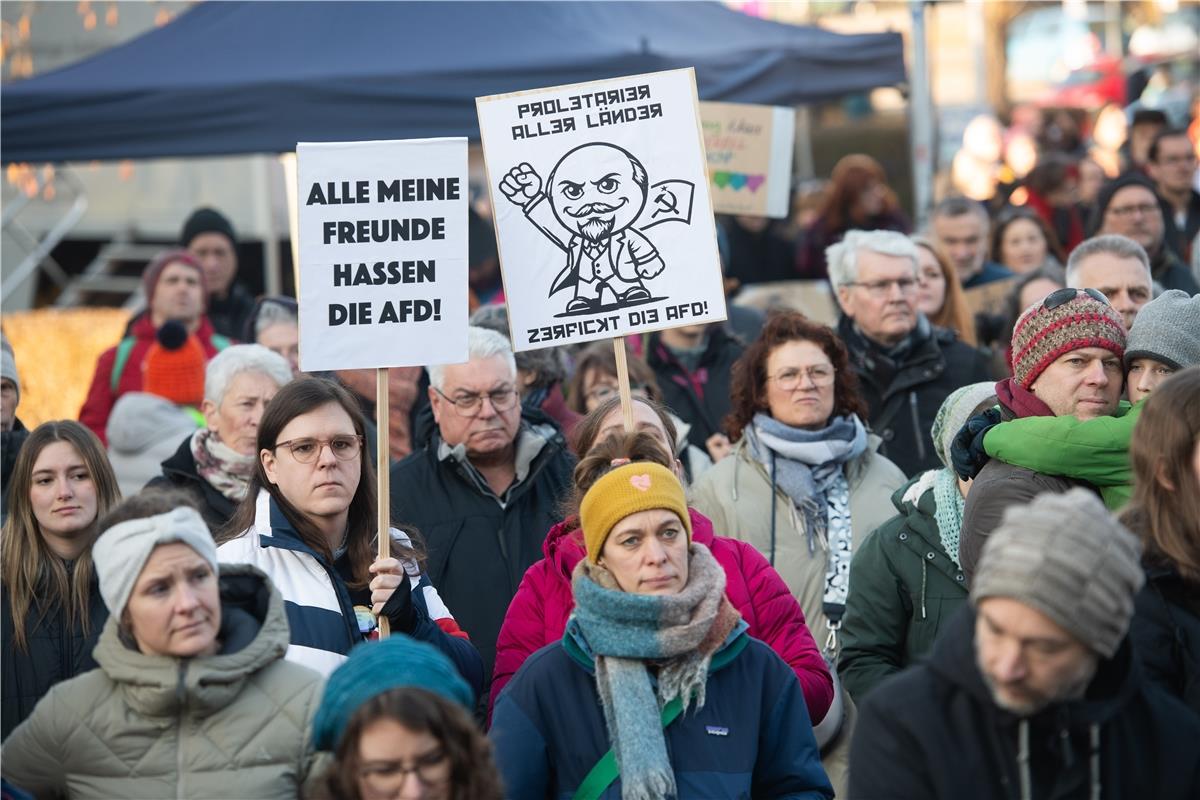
749 152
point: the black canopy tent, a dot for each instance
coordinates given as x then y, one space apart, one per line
257 77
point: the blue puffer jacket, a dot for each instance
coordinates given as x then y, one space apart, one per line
753 737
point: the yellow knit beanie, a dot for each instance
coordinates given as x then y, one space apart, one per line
628 489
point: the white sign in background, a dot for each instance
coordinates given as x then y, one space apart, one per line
383 253
600 196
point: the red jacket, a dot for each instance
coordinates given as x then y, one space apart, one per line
101 398
538 613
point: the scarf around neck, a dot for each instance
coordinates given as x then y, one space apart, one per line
1021 401
676 633
948 505
225 469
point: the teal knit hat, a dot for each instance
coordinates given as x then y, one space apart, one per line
376 667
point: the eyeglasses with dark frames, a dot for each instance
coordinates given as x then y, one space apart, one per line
469 405
1060 297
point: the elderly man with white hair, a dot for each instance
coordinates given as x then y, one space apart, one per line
1118 267
485 488
906 367
215 462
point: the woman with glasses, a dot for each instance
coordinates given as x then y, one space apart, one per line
309 522
595 382
804 484
396 717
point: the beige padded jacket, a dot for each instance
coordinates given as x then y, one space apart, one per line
236 724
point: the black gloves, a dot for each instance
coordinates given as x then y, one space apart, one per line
399 609
966 451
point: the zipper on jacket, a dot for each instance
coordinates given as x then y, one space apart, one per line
916 421
181 696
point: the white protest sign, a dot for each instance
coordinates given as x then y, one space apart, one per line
603 217
749 152
383 253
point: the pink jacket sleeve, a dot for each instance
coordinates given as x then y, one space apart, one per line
524 630
779 622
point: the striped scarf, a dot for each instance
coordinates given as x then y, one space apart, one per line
677 633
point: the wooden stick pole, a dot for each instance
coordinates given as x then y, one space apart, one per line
382 461
623 383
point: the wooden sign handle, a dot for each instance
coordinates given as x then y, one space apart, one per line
383 478
623 383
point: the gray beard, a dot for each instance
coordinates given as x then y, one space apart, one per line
597 229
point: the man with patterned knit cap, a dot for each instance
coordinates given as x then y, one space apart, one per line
1066 357
1033 691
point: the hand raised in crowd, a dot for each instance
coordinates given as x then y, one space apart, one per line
966 452
718 446
391 594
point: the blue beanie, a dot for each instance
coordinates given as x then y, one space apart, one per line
377 667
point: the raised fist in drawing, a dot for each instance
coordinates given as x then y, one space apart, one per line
521 184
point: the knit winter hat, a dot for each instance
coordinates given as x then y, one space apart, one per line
1066 556
155 268
1041 335
955 411
206 220
121 551
628 489
8 364
1167 329
174 366
380 666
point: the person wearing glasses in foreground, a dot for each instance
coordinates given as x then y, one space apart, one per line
906 367
1067 352
655 689
484 489
396 717
309 522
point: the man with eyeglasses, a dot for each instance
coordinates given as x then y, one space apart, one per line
484 489
906 366
1066 358
1118 267
1172 165
1129 206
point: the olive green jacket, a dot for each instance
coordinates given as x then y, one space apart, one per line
236 724
1094 450
903 588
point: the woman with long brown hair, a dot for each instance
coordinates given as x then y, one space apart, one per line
53 613
1165 513
940 294
309 522
858 198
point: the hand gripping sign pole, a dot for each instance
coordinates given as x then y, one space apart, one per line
382 230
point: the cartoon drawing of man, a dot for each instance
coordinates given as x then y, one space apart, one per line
595 193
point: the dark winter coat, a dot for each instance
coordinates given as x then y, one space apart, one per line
229 315
904 393
179 472
934 732
701 398
904 588
998 486
10 445
1172 273
752 738
55 652
1166 634
479 547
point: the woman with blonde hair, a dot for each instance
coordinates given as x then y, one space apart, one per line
940 294
61 484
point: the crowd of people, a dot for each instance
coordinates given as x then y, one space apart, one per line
947 547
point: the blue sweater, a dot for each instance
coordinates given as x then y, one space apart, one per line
753 737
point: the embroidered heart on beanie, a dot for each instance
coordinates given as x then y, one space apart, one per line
640 482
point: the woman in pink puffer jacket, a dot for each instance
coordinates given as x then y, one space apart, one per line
538 613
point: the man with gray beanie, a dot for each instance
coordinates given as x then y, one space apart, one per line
1033 691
